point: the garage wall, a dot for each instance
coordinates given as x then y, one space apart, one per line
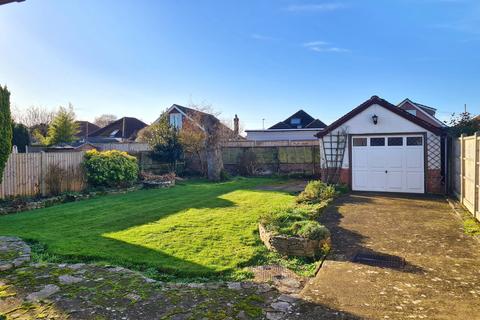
388 122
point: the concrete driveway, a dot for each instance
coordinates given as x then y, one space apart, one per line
440 278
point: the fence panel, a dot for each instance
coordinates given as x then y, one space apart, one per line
127 147
25 173
275 156
466 172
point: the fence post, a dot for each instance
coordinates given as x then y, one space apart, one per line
462 167
43 173
475 201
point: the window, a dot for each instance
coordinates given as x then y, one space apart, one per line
295 121
377 142
414 141
395 141
113 133
359 142
176 120
414 112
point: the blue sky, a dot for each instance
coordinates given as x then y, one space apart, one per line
257 58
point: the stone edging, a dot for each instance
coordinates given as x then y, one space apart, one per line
27 204
292 246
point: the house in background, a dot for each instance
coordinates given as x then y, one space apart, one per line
178 115
299 126
85 129
421 111
122 130
378 146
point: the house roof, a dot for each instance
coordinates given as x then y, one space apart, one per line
115 129
387 105
9 1
70 145
85 127
305 121
426 110
196 116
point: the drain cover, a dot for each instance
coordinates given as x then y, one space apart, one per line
379 260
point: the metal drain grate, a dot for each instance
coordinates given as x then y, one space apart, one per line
379 260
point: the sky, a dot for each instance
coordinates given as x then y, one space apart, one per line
260 59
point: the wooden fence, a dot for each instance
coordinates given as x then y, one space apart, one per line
279 157
465 169
127 147
26 174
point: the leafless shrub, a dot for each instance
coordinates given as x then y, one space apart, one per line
54 179
248 163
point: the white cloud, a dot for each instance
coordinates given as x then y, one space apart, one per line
315 7
315 43
257 36
322 46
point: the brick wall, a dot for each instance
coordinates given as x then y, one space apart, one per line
434 181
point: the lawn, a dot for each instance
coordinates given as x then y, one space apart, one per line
196 229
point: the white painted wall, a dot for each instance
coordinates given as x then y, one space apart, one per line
282 135
388 122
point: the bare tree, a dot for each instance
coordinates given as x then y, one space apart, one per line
105 119
34 116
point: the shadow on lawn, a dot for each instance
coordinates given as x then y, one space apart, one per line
79 227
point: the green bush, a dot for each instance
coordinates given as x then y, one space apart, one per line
316 191
110 168
294 222
310 230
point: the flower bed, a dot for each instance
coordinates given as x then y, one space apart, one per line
293 246
17 205
295 231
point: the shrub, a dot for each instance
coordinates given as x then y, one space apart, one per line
295 222
316 191
247 163
315 210
110 168
310 230
54 179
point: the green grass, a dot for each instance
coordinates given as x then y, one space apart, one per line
471 226
197 229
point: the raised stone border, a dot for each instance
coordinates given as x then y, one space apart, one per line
28 204
158 184
292 246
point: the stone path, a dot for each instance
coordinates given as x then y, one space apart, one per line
441 278
87 291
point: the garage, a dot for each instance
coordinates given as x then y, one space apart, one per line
388 163
380 147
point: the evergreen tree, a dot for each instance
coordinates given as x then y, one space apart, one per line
5 128
21 136
164 140
63 128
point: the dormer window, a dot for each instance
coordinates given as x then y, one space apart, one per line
295 121
113 133
411 111
176 120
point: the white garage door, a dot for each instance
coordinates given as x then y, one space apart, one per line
388 163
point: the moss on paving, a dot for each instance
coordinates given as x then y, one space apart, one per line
197 229
106 293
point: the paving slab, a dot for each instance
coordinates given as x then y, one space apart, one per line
441 276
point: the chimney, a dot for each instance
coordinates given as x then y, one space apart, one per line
235 125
